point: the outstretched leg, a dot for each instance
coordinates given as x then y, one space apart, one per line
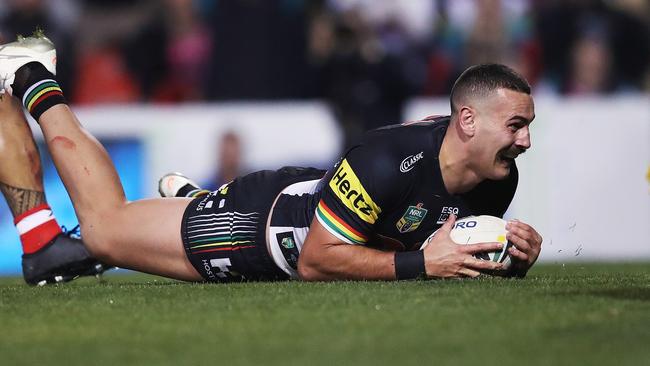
49 256
142 235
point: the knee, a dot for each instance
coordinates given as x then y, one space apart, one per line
98 242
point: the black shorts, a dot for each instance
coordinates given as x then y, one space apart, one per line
224 232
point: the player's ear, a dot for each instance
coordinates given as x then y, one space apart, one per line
467 120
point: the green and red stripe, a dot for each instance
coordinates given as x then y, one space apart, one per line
336 225
39 92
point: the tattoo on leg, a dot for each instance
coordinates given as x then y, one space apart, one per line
20 200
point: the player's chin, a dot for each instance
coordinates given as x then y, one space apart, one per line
501 169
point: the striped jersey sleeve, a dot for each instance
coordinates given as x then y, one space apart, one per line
353 196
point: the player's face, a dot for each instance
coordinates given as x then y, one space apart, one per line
502 132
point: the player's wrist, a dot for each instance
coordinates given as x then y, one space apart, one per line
409 265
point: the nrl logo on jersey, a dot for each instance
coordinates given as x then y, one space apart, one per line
409 162
288 243
411 219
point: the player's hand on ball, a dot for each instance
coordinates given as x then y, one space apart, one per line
527 245
445 259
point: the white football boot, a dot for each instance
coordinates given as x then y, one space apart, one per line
21 52
177 185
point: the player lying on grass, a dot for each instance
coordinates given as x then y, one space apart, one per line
363 219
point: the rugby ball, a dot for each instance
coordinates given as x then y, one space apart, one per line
482 229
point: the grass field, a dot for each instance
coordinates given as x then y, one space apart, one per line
576 314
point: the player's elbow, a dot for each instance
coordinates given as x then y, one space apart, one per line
307 271
312 266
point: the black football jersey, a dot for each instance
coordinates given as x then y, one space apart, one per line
387 192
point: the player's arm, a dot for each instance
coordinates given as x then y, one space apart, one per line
324 257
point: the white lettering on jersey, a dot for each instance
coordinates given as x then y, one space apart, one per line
409 162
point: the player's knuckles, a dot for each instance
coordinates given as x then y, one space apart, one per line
519 232
479 264
517 253
517 240
513 250
484 247
522 226
491 265
494 265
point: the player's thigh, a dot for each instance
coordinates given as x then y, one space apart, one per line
146 236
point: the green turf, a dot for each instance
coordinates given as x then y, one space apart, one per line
573 315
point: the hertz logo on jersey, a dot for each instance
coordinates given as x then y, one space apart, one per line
347 187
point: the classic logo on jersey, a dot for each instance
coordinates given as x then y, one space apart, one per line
409 162
411 219
347 187
446 211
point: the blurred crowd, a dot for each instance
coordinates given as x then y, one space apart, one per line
365 57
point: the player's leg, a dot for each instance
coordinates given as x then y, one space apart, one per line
142 235
48 254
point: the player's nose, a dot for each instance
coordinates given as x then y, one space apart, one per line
523 138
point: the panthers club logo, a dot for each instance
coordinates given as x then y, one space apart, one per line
411 219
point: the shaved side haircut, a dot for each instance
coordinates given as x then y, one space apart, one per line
481 80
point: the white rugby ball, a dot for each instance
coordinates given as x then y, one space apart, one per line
482 229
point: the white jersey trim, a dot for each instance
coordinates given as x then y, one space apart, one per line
299 233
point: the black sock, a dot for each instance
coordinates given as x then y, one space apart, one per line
37 89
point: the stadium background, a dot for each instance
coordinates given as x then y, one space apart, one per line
219 88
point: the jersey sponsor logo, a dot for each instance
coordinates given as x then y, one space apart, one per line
411 219
220 266
446 211
465 225
347 187
204 202
409 162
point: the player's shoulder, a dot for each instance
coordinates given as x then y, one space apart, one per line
395 149
391 159
411 131
394 140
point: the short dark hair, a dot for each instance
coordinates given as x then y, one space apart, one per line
481 80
